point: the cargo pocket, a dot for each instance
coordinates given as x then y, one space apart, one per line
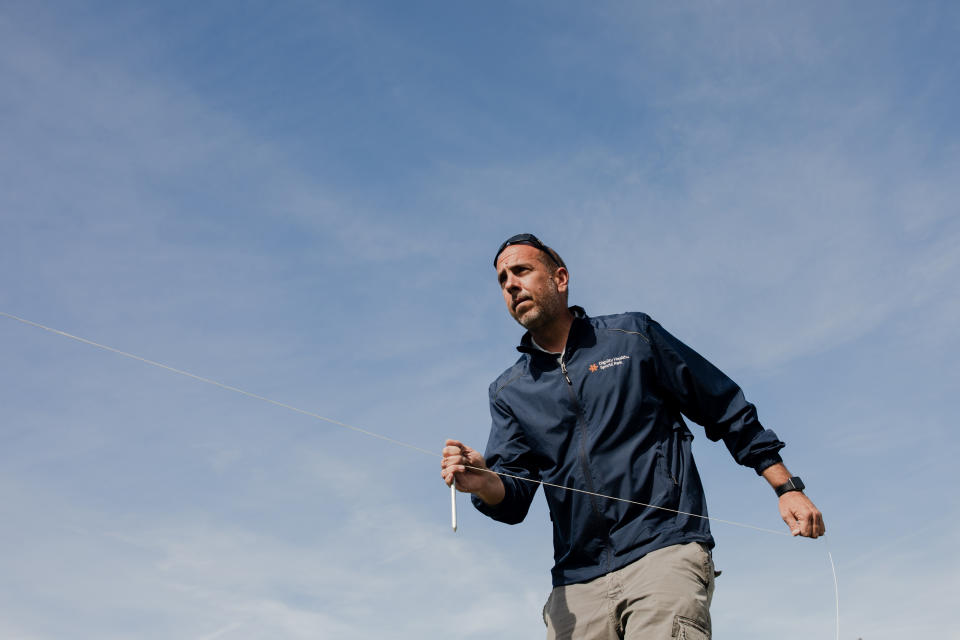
687 629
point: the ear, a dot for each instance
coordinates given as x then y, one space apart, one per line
562 277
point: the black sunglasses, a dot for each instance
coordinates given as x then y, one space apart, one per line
527 239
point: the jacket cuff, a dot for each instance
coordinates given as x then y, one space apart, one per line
495 511
508 510
767 461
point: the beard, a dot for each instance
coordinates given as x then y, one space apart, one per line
547 308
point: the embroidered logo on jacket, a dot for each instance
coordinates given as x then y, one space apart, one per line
609 362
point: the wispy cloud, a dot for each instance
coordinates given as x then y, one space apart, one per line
304 204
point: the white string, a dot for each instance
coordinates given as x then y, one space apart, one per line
217 384
642 504
366 431
413 447
836 586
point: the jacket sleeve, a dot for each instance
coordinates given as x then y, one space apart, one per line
507 452
711 399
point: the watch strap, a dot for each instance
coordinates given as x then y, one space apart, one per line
793 484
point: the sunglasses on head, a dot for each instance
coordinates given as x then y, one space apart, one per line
527 239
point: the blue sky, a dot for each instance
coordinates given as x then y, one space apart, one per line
303 201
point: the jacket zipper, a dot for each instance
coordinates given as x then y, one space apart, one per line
584 463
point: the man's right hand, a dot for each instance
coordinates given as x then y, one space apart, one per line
468 467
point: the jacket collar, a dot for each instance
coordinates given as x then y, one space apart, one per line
580 318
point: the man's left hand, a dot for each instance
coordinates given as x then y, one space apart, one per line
801 515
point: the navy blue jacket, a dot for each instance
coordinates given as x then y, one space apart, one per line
611 423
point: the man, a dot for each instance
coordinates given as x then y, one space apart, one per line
595 404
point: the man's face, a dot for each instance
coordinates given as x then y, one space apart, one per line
535 296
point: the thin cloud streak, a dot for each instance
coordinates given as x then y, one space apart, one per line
775 185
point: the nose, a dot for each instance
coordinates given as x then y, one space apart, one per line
512 283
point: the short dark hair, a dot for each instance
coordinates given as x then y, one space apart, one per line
531 240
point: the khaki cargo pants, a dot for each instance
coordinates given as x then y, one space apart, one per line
664 595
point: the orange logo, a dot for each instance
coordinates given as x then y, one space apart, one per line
593 368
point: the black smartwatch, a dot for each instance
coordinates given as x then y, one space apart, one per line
793 484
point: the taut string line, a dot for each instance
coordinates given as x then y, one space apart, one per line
217 384
366 432
413 447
